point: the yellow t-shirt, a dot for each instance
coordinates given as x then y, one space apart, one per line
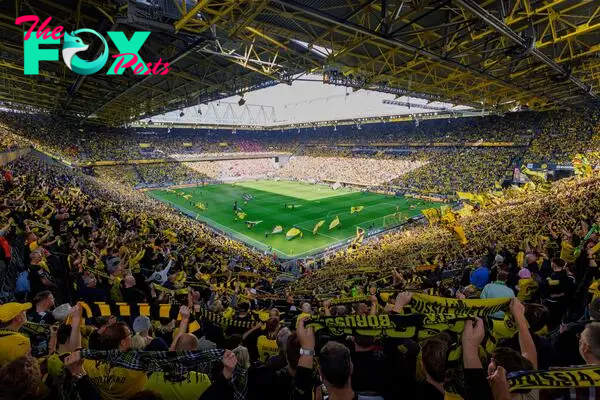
12 346
115 383
192 387
266 348
527 288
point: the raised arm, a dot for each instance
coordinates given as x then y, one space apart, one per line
75 338
525 340
183 326
472 337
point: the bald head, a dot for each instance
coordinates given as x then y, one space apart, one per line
187 341
306 308
530 258
589 343
129 281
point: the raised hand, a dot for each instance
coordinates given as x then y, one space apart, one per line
473 333
185 312
229 363
306 336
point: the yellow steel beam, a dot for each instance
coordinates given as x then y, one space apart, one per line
266 37
580 30
191 14
592 50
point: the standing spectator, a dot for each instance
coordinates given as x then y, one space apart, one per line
480 277
13 344
559 288
132 294
39 274
124 382
498 290
43 303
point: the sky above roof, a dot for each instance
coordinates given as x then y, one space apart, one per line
301 102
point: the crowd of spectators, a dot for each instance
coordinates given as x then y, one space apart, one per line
168 174
82 241
125 175
8 140
249 168
360 171
449 170
563 135
444 150
549 132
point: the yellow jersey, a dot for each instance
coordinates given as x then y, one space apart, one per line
12 346
266 348
115 383
192 387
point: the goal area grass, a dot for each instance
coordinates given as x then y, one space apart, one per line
267 204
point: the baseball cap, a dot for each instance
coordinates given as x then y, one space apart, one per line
9 311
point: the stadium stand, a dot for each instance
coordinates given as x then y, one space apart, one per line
440 148
471 266
87 241
347 170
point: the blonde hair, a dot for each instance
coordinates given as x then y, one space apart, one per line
243 356
138 342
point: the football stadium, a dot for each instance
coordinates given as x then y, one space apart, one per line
299 199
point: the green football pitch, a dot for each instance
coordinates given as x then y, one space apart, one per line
312 203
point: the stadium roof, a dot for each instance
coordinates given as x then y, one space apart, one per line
303 101
490 54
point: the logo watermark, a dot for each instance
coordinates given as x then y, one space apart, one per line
128 56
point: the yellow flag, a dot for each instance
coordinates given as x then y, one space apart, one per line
360 235
317 226
460 234
277 229
241 215
292 233
334 223
356 209
448 216
171 236
538 178
432 215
